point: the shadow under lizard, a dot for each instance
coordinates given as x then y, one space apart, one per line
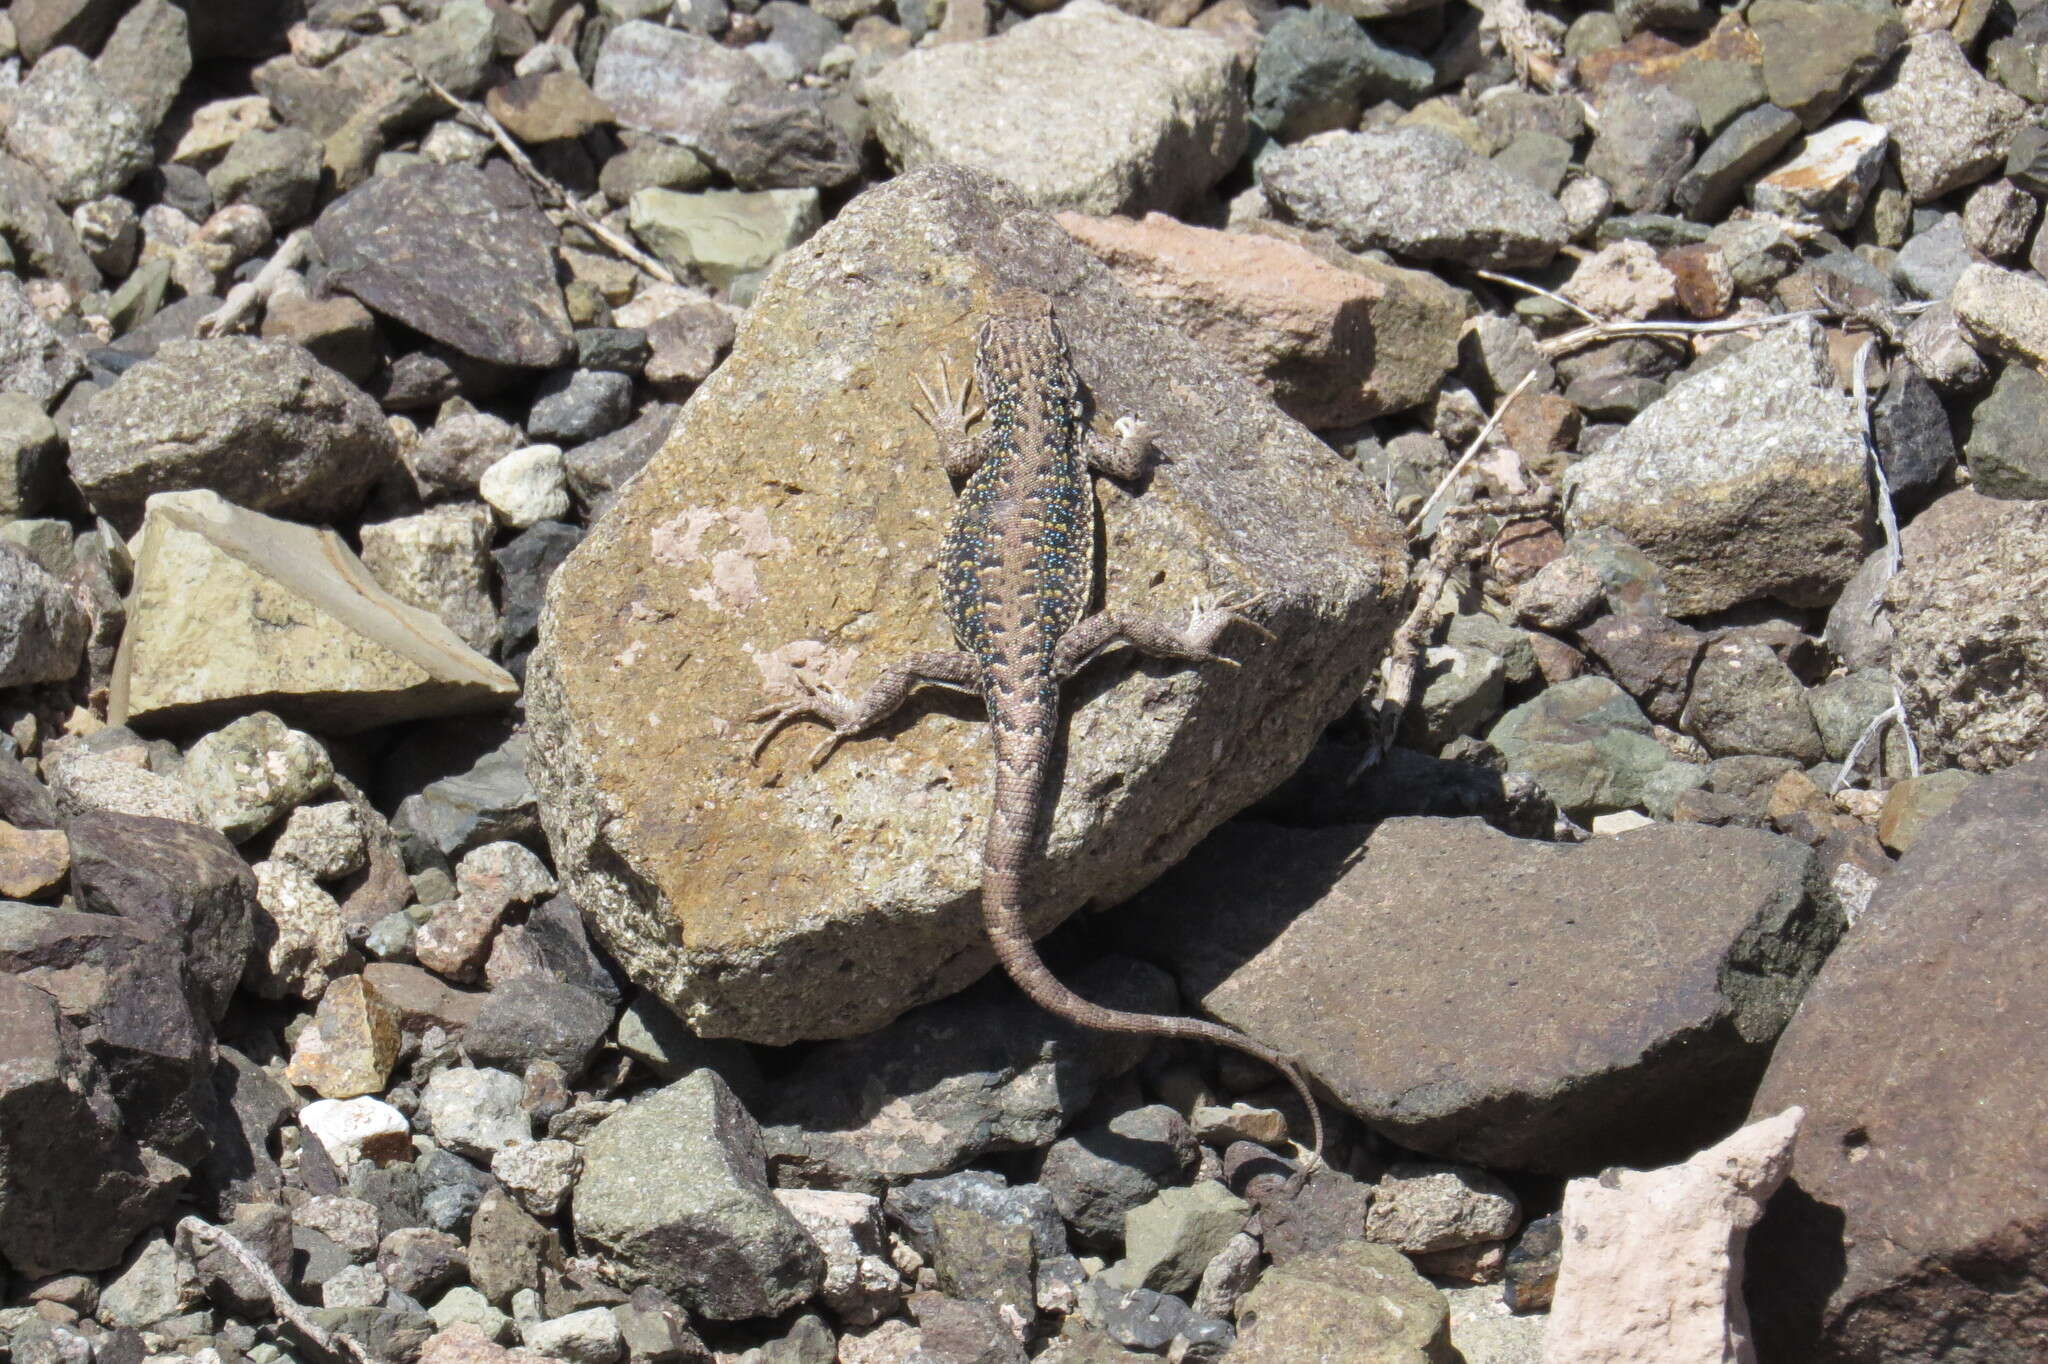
1016 574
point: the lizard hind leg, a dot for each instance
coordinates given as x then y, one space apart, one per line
1096 635
849 716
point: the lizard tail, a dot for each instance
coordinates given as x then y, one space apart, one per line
1010 844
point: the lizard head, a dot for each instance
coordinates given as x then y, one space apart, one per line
1019 337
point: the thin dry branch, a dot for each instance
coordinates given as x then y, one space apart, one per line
1465 460
1526 287
335 1343
480 118
242 300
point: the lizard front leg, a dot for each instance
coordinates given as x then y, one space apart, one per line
851 716
1106 630
947 414
1128 457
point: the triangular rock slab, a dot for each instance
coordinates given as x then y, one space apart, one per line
798 498
1511 1003
234 611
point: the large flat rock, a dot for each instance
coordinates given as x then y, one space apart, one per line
1517 1004
233 611
799 499
1915 1224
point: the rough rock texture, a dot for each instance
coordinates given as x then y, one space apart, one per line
1746 481
1652 1264
34 360
232 610
1416 192
1948 124
1515 1004
1336 341
459 253
1970 612
262 423
675 1193
684 854
1087 109
1359 1303
1915 1225
42 628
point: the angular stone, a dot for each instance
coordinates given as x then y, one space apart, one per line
533 1019
682 1169
1816 55
2004 311
1334 343
984 1069
1098 1174
351 1045
1829 178
35 361
251 773
1971 643
1086 108
1586 744
1356 1304
1912 1207
300 936
1420 1209
458 253
262 423
1656 1016
66 122
42 628
1653 1259
1170 1239
1415 192
2006 456
740 958
1645 144
1745 700
1748 480
439 560
914 1208
861 1284
1318 67
508 1251
277 171
547 106
474 1112
720 104
1729 162
181 878
1950 126
539 1174
230 607
722 234
357 1129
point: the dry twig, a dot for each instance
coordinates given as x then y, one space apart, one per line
336 1343
1465 460
480 118
242 300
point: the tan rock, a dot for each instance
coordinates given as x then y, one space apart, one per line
798 499
230 606
2005 311
547 106
1652 1264
1308 330
1623 280
351 1045
300 937
33 862
1358 1303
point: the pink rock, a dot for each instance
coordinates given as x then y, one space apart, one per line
1652 1264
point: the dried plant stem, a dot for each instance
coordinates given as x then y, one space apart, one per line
1465 460
236 309
289 1311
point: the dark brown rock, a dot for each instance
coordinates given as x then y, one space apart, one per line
1915 1224
458 253
1651 657
507 1249
1510 1003
184 880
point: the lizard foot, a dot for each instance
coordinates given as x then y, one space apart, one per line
820 703
1209 622
945 411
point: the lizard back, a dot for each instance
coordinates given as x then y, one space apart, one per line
1018 559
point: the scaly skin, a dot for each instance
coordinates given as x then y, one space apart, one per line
1016 574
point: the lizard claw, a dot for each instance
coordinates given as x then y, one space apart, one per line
945 411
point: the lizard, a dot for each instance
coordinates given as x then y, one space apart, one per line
1016 570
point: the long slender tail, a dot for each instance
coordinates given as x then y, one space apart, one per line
1011 843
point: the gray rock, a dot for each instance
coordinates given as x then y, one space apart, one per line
1911 1207
1998 219
508 1251
42 625
1171 1238
262 423
1416 192
2006 456
1911 431
277 170
1671 1005
720 104
460 254
1318 67
1358 1302
181 879
1844 707
1931 261
1420 1208
862 1285
146 59
1099 1173
1745 481
38 231
490 802
720 234
475 1112
1745 700
35 361
1085 108
421 1262
525 563
67 123
580 405
440 561
1139 1318
2004 312
31 456
1829 178
913 1208
983 1258
1949 125
453 454
675 1193
983 1070
1716 180
590 1336
1972 630
1585 742
650 1033
1816 55
599 468
1645 143
961 1329
251 773
534 1018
